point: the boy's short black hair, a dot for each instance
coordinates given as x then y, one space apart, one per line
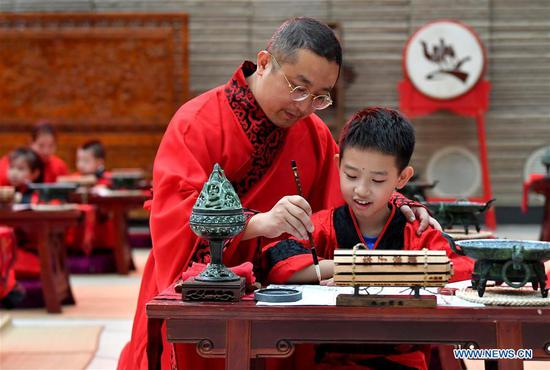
41 128
381 129
96 147
305 33
31 157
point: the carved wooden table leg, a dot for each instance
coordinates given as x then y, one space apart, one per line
122 248
509 336
154 343
47 274
237 342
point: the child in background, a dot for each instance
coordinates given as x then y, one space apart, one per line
90 160
375 149
25 166
44 143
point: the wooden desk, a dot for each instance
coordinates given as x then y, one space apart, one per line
242 331
542 186
46 230
117 203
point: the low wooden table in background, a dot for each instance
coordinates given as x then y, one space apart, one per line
242 331
117 203
46 231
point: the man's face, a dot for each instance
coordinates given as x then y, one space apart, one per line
272 91
44 145
86 163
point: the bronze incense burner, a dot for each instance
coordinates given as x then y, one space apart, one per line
416 189
515 262
217 215
459 212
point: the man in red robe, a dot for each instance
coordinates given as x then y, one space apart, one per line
253 126
44 142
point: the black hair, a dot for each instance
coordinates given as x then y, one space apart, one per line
96 147
305 33
41 128
381 129
32 159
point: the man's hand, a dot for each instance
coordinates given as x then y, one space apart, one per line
290 215
423 216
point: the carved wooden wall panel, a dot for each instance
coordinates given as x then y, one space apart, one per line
116 77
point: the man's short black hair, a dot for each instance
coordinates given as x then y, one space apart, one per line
96 147
41 128
381 129
304 33
32 159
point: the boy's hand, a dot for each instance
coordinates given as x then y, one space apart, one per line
290 215
328 282
423 216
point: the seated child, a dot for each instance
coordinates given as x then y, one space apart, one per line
24 167
90 160
44 144
375 149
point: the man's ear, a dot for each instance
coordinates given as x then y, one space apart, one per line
263 62
405 176
337 160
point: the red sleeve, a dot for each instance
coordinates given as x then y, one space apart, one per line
196 138
400 200
4 166
433 239
284 258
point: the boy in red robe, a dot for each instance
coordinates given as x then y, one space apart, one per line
375 149
253 126
44 142
90 160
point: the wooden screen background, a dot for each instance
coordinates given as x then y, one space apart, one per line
114 77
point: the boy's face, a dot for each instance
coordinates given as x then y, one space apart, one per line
86 163
368 179
44 145
19 172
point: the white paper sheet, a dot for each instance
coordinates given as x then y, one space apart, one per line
316 295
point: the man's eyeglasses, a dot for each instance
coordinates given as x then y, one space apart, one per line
301 93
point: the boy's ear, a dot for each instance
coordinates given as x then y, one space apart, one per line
337 160
405 176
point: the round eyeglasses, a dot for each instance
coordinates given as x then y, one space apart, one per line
300 93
